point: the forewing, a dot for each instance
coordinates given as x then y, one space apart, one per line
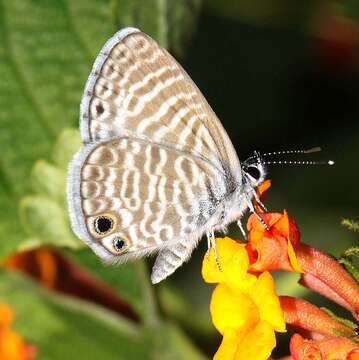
137 89
155 196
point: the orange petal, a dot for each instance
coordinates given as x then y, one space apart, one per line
293 258
328 349
306 316
6 315
272 254
331 274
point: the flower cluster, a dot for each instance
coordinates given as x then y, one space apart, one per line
246 310
12 346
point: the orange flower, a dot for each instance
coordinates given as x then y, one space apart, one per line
308 318
329 349
12 346
273 249
323 274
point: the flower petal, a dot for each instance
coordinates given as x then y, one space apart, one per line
293 258
233 259
232 309
304 315
329 348
267 301
257 343
228 347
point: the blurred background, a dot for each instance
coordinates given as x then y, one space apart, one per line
279 74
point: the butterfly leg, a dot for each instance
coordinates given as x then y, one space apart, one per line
211 241
259 202
208 245
240 225
253 211
170 258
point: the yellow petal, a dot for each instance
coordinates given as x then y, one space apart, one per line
293 258
233 309
256 344
265 297
228 347
233 259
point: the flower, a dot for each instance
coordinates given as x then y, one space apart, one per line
329 348
308 318
12 346
273 248
323 274
245 308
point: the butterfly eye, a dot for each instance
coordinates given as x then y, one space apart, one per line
104 224
253 172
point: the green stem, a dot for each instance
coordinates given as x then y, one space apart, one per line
151 316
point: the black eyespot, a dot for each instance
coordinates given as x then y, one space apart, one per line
103 224
254 172
119 244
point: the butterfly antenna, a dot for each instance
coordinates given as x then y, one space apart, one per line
309 151
285 162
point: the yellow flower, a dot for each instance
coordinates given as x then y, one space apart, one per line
245 308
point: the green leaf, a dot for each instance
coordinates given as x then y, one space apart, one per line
170 343
351 224
44 63
171 23
49 180
67 144
124 278
65 328
45 60
47 221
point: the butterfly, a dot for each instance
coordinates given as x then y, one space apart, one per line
157 170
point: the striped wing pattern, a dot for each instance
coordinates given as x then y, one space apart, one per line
158 195
155 159
138 89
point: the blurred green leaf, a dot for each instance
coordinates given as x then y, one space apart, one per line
48 179
47 221
171 23
62 327
65 328
176 306
351 224
67 144
125 278
44 62
170 343
45 59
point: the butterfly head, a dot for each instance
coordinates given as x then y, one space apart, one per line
254 170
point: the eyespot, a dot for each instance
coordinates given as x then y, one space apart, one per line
116 243
104 224
119 244
254 172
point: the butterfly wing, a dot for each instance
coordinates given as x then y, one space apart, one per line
144 197
137 89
